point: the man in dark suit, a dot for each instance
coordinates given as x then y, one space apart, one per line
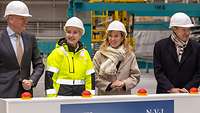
17 51
177 58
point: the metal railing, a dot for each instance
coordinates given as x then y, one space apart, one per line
42 29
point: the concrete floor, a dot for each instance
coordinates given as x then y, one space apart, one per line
147 81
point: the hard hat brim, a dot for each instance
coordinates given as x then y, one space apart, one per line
186 26
24 15
83 30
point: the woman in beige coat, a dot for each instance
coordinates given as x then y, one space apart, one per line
115 63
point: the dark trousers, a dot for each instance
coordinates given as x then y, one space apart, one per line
71 90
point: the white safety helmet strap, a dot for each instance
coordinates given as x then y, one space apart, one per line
75 22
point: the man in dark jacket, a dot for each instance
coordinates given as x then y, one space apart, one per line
17 51
177 58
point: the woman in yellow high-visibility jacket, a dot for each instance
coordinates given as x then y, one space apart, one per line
69 66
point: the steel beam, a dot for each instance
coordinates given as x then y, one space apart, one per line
141 9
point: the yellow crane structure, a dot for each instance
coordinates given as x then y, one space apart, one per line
101 19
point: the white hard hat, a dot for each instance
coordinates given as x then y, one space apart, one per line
180 20
117 26
75 22
17 8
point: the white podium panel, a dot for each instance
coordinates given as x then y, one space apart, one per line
154 103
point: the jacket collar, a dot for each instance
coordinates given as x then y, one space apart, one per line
63 42
6 41
10 31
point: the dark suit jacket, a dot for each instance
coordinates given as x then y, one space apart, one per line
10 71
169 72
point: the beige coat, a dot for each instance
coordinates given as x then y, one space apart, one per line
128 72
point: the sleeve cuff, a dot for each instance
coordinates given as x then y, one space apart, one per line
50 91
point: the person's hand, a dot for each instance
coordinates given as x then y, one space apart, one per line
27 84
174 90
183 90
118 84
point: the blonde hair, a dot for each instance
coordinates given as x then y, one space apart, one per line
125 43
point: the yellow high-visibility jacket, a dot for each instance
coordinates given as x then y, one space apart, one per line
69 72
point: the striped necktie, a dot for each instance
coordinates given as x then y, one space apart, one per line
19 49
